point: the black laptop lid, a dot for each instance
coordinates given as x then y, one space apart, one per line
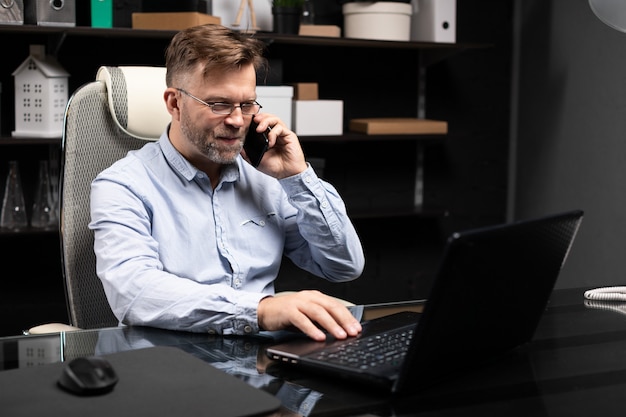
491 290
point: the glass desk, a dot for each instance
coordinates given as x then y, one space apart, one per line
576 365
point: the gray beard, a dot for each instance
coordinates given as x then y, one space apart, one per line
211 150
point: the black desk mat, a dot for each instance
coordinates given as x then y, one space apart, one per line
157 381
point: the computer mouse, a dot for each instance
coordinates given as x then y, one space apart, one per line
92 375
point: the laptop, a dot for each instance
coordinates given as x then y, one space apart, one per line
491 289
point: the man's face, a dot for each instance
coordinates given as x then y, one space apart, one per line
216 137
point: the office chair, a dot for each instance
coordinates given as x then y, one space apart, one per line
104 120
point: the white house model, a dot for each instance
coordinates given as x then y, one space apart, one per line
41 94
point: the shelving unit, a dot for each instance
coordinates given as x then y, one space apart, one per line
381 177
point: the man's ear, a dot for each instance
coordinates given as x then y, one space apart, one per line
171 97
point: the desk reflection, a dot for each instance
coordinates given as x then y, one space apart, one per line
241 357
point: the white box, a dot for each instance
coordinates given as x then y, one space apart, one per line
318 117
434 21
276 100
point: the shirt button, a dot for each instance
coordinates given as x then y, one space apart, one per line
262 223
247 329
307 179
324 204
237 282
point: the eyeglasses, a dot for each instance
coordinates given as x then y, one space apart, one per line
226 108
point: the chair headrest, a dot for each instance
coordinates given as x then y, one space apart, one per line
136 99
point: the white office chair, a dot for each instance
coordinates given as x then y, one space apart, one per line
104 119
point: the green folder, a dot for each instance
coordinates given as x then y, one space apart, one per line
102 13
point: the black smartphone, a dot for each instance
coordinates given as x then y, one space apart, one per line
256 144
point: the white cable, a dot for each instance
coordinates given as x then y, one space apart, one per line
607 294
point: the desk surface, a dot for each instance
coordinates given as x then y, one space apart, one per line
576 365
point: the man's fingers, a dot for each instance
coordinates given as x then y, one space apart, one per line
311 312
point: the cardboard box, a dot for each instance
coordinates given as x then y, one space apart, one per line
172 21
398 126
330 31
305 91
276 100
119 13
318 117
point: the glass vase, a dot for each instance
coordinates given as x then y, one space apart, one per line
13 215
44 213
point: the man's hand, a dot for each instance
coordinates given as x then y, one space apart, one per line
284 156
303 310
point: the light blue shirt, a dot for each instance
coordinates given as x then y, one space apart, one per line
172 252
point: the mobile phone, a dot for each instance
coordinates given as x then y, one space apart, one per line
256 144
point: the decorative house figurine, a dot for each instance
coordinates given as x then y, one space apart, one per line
41 94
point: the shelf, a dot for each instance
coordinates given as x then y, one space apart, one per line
8 140
268 37
29 231
346 137
360 137
412 188
431 51
386 212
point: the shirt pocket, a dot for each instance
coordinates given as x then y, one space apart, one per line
261 220
261 237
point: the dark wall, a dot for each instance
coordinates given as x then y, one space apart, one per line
571 151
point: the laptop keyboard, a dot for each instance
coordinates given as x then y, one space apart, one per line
365 353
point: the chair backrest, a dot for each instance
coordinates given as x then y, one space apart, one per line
104 120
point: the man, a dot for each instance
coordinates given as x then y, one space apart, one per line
190 236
